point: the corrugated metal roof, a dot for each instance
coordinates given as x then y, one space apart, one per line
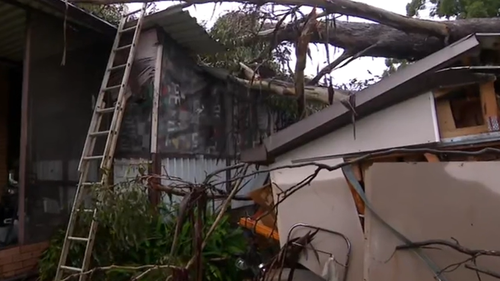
13 23
74 14
12 27
184 29
177 23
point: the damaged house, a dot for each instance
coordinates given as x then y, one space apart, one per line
180 116
421 172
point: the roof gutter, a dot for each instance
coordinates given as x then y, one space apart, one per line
402 85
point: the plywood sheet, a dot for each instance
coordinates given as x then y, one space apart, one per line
426 201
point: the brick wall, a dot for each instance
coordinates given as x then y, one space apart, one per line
19 260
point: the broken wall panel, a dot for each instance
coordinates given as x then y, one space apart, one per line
327 202
467 110
424 201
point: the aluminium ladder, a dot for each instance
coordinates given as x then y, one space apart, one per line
94 132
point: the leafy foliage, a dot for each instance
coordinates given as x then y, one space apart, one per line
132 233
461 9
393 65
234 26
110 13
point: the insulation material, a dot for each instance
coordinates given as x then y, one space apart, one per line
327 202
425 201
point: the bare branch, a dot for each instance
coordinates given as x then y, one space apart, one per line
449 244
484 271
329 68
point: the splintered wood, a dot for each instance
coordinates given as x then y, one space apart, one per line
467 111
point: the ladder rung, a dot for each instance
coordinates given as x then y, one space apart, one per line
105 110
128 29
81 239
95 157
70 268
118 67
90 183
85 210
123 47
101 133
112 87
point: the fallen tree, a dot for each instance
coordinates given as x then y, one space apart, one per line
388 35
392 36
380 40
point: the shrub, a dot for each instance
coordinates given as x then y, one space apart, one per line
132 233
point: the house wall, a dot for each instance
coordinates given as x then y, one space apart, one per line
193 122
455 201
60 108
327 202
190 120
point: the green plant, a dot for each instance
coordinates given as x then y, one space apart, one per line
133 233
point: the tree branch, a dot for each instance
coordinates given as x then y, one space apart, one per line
301 48
482 270
329 68
345 7
379 40
454 246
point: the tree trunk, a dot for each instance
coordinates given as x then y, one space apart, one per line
383 41
345 7
395 36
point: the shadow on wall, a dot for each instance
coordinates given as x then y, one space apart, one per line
190 111
452 201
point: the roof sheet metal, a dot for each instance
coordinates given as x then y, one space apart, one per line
12 32
184 29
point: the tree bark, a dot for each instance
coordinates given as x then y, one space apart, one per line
345 7
395 36
383 41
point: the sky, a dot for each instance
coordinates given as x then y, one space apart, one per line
359 69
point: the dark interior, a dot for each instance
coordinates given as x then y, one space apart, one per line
11 123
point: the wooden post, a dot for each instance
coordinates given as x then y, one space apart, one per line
489 106
155 167
24 151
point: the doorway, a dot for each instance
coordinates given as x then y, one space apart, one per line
10 132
